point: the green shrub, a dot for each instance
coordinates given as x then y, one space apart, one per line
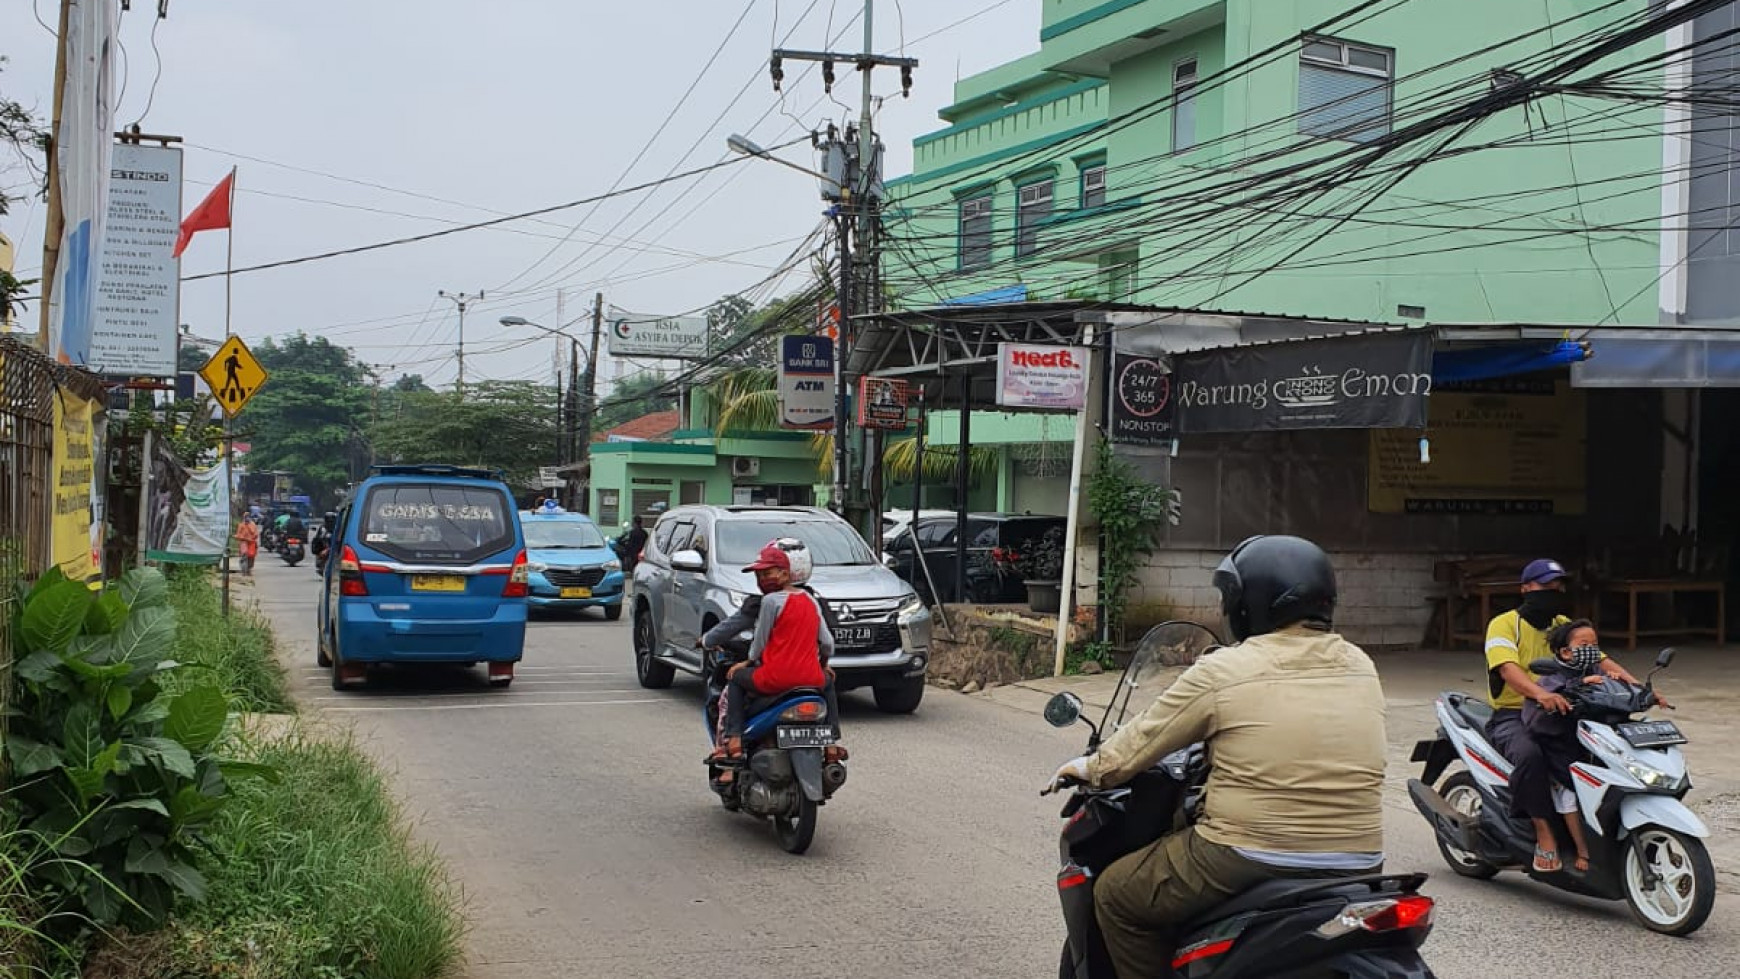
113 774
314 876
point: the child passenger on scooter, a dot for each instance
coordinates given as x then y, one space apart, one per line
1578 649
791 648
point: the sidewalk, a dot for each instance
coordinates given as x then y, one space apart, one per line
1704 683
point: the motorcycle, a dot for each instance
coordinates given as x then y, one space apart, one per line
1368 927
783 776
292 551
1645 847
271 539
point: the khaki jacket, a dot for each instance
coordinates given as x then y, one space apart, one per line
1294 721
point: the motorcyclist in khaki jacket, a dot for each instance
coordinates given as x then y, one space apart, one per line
1294 720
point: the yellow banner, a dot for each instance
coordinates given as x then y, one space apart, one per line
74 535
1497 447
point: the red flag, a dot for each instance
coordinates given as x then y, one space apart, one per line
211 214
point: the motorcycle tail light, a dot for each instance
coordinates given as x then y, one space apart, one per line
1399 914
350 576
518 578
804 711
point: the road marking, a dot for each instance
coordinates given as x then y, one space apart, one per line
506 703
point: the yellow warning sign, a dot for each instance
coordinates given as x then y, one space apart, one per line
233 375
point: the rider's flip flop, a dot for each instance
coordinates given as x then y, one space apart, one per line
1547 861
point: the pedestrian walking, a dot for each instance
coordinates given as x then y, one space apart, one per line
248 543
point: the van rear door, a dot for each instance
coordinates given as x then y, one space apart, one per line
446 548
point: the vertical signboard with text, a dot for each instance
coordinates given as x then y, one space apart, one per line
806 382
138 293
1141 400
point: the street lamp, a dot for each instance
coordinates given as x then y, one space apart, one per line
831 190
739 143
579 427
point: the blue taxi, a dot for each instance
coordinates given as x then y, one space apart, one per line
571 567
428 566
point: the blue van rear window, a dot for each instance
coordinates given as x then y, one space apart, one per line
437 523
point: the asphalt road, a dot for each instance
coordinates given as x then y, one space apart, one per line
573 810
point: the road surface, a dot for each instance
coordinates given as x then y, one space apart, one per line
574 811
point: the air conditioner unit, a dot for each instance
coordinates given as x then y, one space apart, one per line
745 466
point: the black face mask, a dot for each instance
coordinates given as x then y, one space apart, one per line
1539 608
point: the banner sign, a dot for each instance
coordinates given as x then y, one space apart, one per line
1142 405
550 477
1514 446
84 139
1367 381
677 337
806 382
881 403
1039 376
75 534
189 517
139 293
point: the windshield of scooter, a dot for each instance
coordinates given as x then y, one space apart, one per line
1165 647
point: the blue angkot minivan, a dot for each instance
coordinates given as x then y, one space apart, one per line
428 566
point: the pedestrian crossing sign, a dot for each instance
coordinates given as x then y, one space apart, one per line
233 375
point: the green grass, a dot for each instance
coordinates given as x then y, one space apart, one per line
236 653
312 878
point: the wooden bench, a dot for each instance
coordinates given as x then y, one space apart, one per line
1632 588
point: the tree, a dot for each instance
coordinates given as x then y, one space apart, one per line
507 425
309 417
633 397
410 384
22 139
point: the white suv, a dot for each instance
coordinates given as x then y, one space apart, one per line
689 580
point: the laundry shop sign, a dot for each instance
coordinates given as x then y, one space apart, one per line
1367 381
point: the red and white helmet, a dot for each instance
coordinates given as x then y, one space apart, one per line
786 553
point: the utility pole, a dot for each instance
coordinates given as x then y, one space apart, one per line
588 398
461 300
56 222
854 163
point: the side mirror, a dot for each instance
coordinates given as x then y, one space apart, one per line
889 562
688 560
1063 709
1665 658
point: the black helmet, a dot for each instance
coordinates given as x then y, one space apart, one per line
1269 583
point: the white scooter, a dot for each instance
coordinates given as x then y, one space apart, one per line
1645 846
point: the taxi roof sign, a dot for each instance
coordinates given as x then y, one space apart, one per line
234 375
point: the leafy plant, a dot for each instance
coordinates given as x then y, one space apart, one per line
1130 511
116 776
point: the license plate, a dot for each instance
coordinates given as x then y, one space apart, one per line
438 582
576 593
1651 734
855 635
819 736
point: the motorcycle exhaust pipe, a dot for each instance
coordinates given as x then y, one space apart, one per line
833 776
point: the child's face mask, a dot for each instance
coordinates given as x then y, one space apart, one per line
1583 658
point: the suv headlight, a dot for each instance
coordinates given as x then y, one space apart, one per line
1652 777
538 567
913 621
735 599
612 565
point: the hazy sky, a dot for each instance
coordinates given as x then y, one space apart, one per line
499 106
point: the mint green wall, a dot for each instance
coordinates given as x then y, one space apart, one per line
1361 269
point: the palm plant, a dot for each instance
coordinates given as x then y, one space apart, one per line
748 400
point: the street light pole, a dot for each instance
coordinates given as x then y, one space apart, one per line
581 394
461 300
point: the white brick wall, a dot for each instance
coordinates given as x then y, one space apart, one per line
1384 596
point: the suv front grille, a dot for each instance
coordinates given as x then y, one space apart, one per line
574 578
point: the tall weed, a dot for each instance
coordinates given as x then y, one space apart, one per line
235 653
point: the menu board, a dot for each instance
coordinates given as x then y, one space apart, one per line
1516 446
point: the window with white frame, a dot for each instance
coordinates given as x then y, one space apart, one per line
976 231
1032 206
1183 105
1093 185
1345 90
